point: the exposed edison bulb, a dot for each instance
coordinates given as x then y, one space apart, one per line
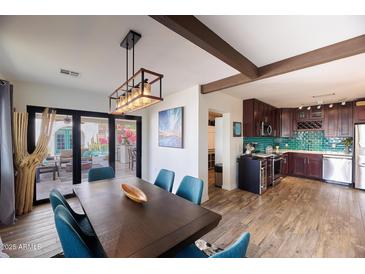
300 107
319 107
147 91
343 103
135 93
122 100
309 108
330 106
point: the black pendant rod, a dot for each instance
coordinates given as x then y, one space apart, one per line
133 57
126 78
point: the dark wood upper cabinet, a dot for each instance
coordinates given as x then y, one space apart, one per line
250 113
302 114
330 121
338 120
359 112
305 114
285 122
254 113
345 123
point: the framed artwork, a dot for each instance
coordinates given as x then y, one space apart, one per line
170 127
237 129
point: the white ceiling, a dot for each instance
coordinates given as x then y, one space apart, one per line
344 77
267 39
34 48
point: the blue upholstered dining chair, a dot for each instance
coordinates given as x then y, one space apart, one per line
165 179
191 189
75 243
236 250
100 173
57 199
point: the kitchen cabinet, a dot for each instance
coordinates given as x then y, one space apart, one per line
305 165
297 164
314 166
211 137
285 126
254 113
345 121
308 119
330 124
302 114
338 120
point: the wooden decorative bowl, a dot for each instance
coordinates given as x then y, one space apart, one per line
134 193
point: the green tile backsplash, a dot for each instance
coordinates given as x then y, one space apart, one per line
301 140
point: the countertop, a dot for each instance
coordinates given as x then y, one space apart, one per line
335 153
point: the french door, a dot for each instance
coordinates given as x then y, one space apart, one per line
82 140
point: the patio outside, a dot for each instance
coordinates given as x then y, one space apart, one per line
56 170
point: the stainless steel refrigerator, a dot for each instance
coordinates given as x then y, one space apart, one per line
359 156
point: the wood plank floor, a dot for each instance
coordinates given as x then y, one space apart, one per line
297 218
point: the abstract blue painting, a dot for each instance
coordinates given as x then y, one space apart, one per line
170 127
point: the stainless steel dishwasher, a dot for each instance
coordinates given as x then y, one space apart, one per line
337 169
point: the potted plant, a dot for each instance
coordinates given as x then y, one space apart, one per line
347 142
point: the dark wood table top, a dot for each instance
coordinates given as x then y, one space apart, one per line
156 228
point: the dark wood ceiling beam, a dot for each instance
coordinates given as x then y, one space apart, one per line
196 32
319 56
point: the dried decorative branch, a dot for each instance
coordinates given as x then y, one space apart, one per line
26 163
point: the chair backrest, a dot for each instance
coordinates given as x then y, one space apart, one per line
100 173
56 199
191 188
75 243
165 179
237 250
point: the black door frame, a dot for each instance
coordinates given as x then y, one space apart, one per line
76 139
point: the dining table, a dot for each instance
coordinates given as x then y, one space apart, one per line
157 228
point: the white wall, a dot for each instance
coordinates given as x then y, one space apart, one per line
26 93
37 94
193 159
232 146
182 161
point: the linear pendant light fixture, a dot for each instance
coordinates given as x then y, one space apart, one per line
138 91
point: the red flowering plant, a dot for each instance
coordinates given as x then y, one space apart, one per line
127 136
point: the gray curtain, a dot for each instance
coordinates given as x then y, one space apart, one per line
7 195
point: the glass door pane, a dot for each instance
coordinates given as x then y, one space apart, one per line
125 150
56 170
94 144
